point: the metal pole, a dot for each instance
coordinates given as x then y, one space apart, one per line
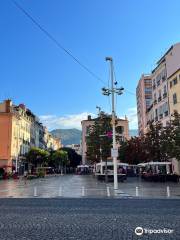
16 168
114 130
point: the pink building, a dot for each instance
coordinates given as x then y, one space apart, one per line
144 100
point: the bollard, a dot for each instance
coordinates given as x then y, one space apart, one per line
35 191
168 191
60 191
108 192
83 191
137 192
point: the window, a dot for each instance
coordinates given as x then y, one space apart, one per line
174 98
175 81
164 88
170 84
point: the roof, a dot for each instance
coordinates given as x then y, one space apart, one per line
162 59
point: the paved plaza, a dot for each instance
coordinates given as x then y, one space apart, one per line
86 219
86 186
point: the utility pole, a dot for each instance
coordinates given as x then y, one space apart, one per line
107 92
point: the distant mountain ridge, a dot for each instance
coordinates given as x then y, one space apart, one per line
68 136
73 135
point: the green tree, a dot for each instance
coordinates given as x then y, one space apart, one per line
98 143
60 159
37 157
74 158
132 151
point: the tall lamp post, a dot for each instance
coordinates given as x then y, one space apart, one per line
107 91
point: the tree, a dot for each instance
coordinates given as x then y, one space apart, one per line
74 158
98 143
132 151
37 157
60 159
153 143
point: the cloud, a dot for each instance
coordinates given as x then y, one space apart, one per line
64 122
74 120
132 117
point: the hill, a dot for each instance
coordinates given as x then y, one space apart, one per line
68 136
73 136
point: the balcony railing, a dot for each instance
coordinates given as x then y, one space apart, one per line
164 95
159 99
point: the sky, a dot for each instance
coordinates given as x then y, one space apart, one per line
34 71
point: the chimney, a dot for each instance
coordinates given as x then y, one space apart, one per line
89 117
8 104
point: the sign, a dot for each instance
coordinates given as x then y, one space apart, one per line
114 152
109 134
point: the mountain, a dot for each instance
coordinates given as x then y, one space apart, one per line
133 132
73 136
68 136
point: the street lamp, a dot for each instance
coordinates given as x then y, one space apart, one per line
107 91
99 110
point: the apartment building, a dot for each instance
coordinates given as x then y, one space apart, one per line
52 143
162 77
75 147
174 92
144 101
86 124
20 130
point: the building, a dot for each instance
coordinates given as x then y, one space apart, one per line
144 101
86 124
20 130
174 92
162 77
52 143
75 147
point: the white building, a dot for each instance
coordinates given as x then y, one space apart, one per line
166 66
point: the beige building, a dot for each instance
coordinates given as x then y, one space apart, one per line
86 124
174 92
20 130
167 66
144 101
52 143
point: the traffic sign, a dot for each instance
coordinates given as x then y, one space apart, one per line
114 152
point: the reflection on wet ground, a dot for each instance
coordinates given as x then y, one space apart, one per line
86 186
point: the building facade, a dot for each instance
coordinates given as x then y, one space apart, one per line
165 91
75 147
20 130
86 124
174 92
144 101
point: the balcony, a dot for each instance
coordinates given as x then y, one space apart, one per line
163 78
159 99
160 116
165 95
166 113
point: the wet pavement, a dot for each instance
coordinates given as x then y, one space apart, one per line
86 186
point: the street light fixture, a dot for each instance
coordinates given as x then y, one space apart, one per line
107 91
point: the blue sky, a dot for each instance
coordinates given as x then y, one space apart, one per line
35 72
